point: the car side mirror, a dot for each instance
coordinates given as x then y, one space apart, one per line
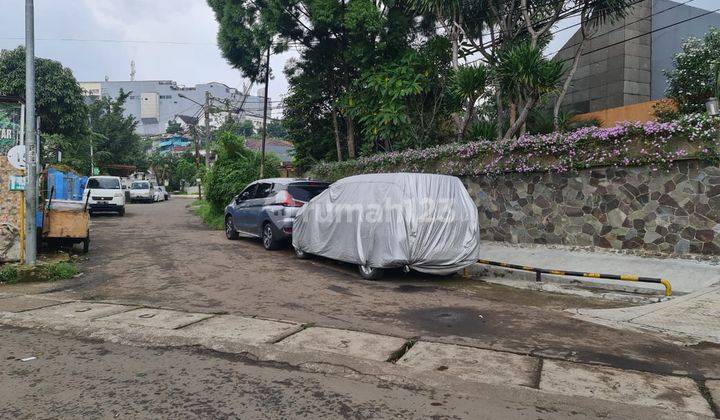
237 199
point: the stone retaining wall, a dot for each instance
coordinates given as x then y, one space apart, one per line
668 211
9 214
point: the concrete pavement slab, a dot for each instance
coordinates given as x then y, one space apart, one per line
157 318
686 276
80 310
695 316
242 329
349 343
628 387
473 364
25 303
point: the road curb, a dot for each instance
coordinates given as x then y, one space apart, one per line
122 328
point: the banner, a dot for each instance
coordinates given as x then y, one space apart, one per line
10 115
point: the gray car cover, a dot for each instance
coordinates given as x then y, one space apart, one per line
424 221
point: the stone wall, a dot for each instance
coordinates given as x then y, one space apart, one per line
9 214
667 211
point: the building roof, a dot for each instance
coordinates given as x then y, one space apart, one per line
282 148
188 119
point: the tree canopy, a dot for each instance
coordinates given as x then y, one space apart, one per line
58 98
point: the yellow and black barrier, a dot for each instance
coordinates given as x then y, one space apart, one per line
540 271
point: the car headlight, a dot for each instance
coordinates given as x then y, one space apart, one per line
118 195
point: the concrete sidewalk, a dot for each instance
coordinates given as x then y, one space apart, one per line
686 276
694 317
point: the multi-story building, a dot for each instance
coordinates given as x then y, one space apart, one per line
624 63
155 102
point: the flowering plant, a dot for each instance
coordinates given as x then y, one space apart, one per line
626 144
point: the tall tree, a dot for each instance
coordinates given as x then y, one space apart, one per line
58 97
113 133
342 37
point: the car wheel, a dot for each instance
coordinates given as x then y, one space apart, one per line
230 231
370 273
301 254
269 240
121 212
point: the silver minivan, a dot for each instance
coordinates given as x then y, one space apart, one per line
266 209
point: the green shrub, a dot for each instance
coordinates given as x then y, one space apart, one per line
8 274
236 166
211 217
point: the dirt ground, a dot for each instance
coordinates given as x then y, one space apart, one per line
162 255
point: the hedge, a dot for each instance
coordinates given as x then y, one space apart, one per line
627 144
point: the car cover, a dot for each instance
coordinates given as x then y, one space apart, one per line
424 221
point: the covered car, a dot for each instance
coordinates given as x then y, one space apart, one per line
423 222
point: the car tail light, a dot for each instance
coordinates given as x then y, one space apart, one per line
287 200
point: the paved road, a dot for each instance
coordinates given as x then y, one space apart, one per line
162 255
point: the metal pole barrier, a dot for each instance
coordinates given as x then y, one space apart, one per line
30 152
540 271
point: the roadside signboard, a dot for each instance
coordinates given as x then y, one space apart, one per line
17 183
10 126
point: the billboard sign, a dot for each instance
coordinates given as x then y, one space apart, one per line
10 126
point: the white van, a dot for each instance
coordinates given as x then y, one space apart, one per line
142 190
105 194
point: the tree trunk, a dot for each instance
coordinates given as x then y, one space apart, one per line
521 118
455 39
499 127
513 112
350 138
468 117
337 135
561 95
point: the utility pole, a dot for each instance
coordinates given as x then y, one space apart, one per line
30 141
207 130
265 111
92 162
193 130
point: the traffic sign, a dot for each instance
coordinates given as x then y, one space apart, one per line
16 156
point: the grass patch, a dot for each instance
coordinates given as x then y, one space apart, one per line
8 273
208 215
46 271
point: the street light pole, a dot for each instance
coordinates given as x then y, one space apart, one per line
30 144
207 130
265 112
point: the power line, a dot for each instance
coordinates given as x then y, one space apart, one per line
623 26
647 33
636 36
114 41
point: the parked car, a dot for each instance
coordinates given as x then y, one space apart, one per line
162 193
142 191
423 222
105 194
266 209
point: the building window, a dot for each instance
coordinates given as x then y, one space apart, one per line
165 96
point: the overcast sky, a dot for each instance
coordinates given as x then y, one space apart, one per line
98 38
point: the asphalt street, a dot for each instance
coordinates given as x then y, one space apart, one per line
161 255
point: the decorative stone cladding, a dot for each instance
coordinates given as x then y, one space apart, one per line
9 214
672 211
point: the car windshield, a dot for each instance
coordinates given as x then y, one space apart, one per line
306 192
140 186
104 183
